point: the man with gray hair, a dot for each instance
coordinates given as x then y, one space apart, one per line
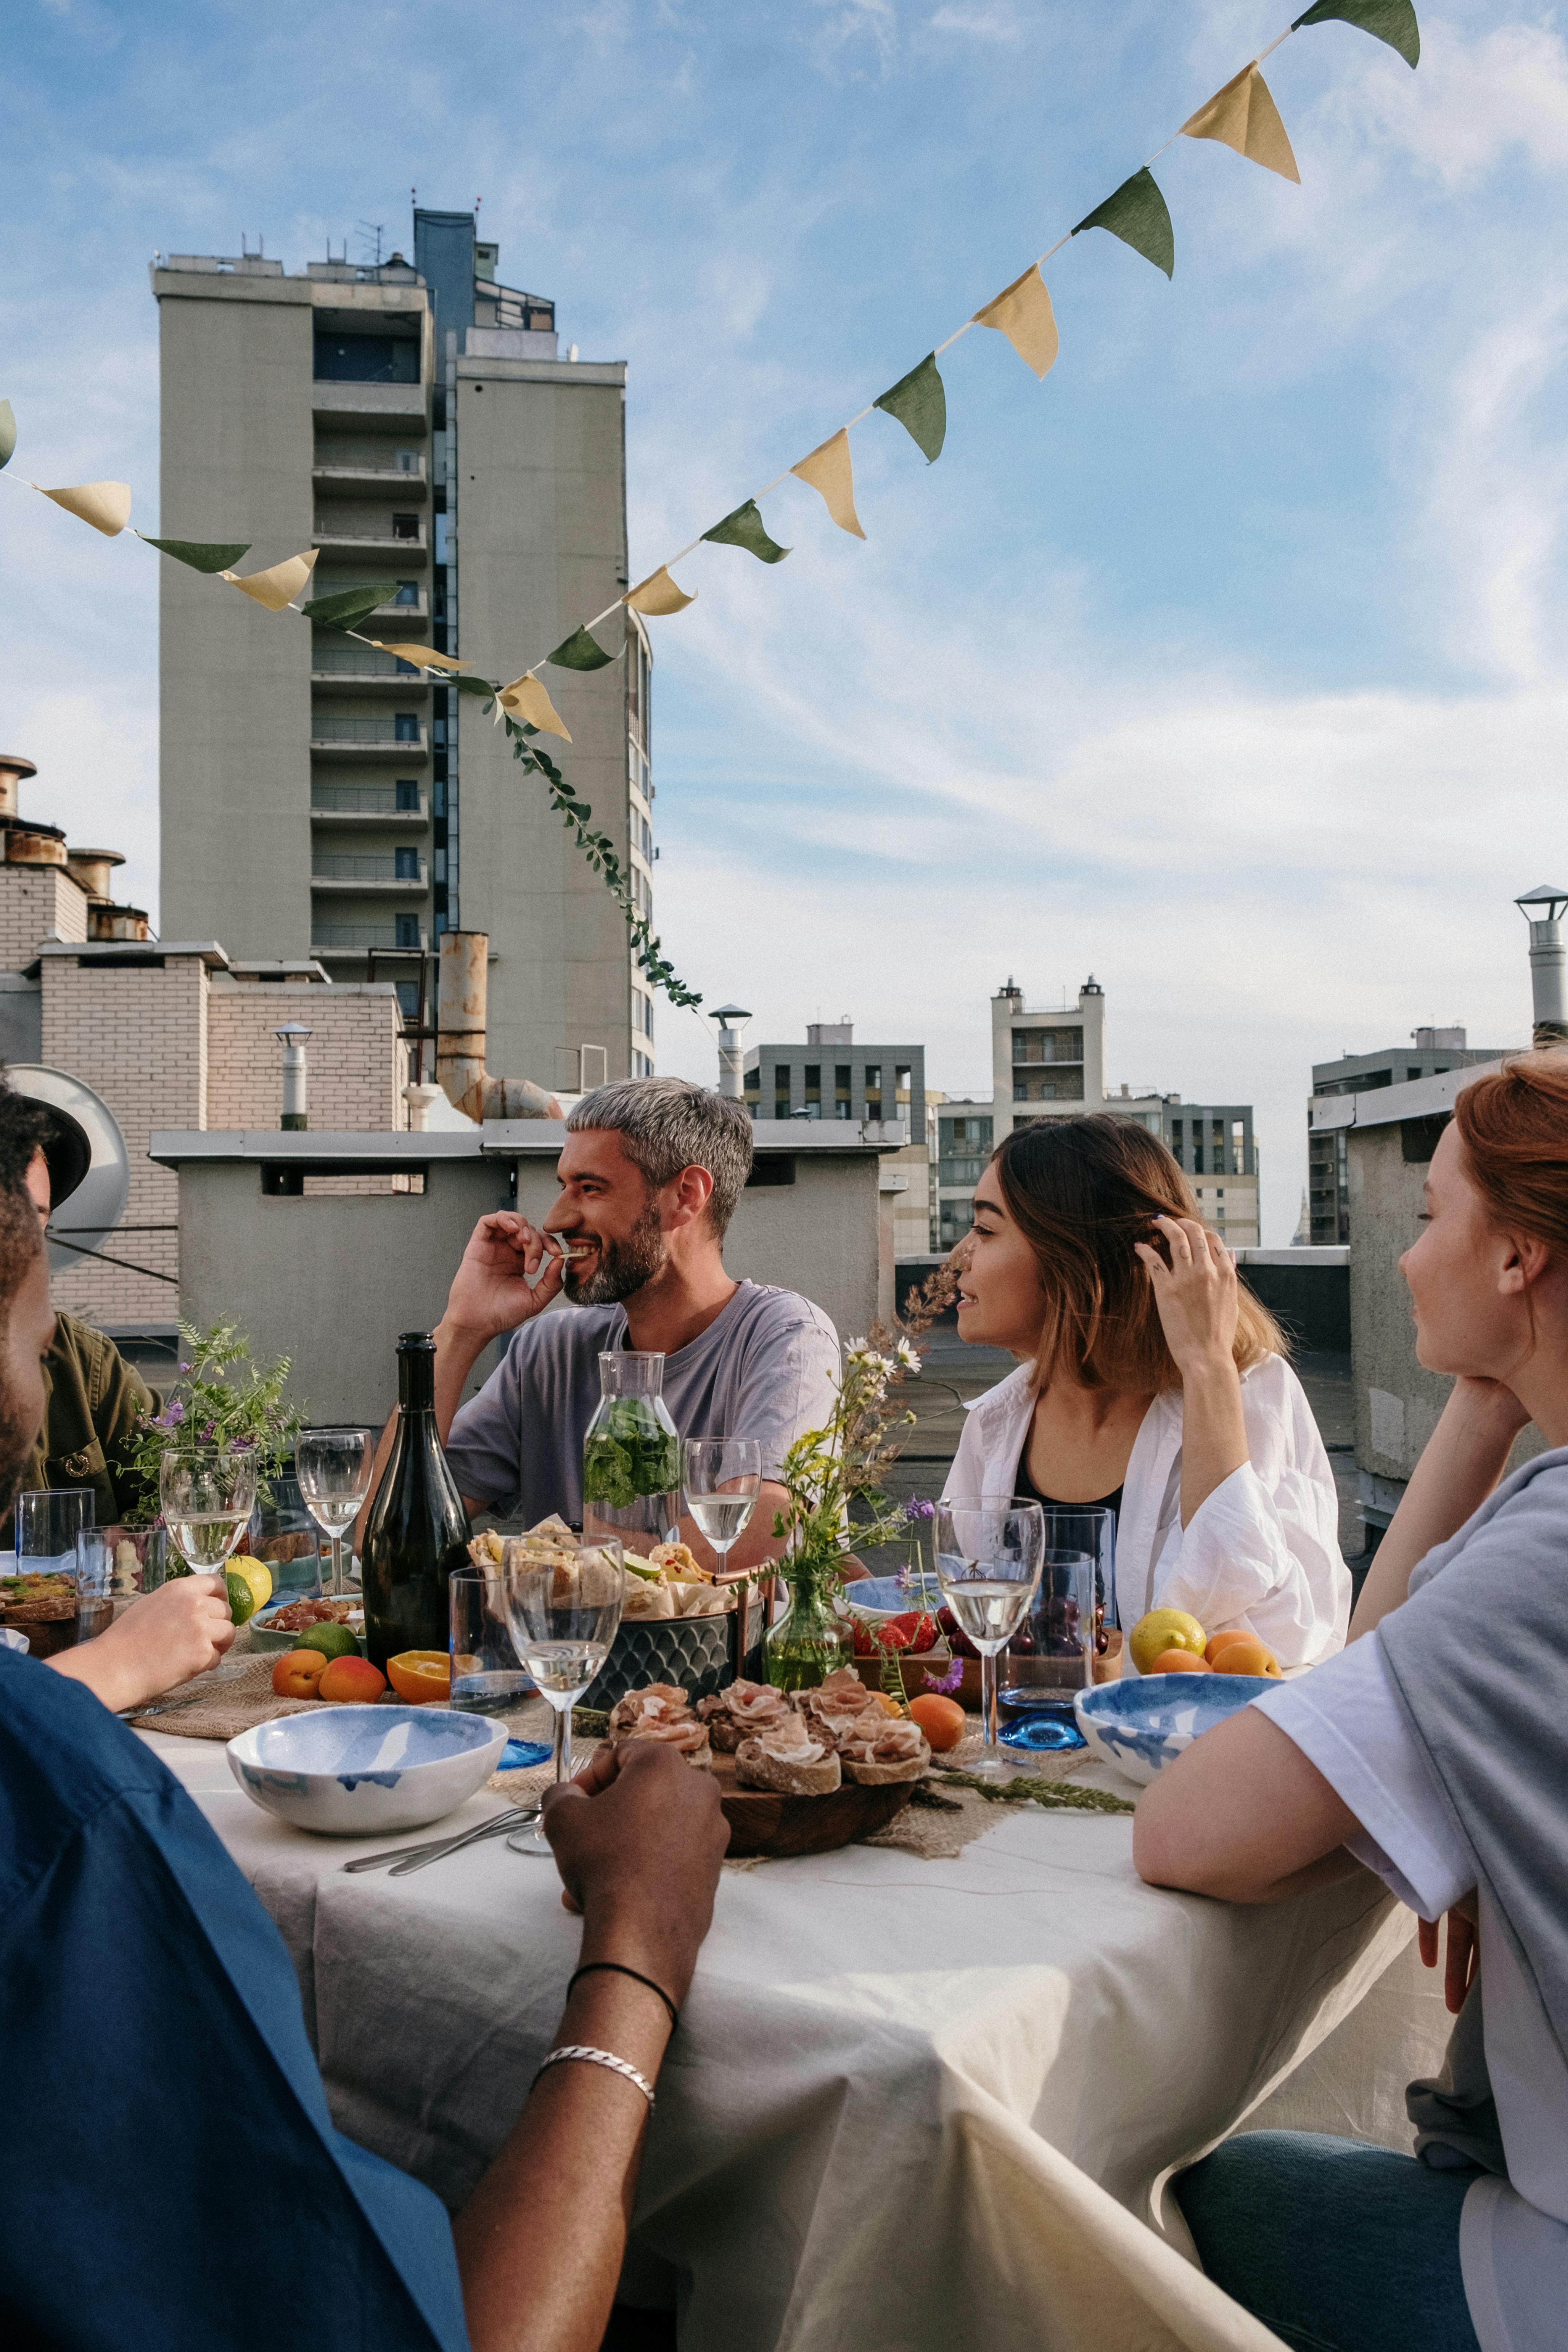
650 1172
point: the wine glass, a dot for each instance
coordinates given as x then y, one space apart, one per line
724 1476
207 1498
334 1467
564 1613
988 1556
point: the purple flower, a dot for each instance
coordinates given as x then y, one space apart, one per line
185 1367
209 1432
947 1684
174 1412
916 1510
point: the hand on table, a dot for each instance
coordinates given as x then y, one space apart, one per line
639 1837
507 1274
1196 1292
164 1638
1464 1955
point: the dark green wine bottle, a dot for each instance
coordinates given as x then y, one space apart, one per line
418 1532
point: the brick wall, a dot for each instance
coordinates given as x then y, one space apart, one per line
138 1036
35 903
357 1062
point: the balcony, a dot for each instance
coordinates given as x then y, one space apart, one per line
403 406
368 739
332 538
405 937
406 481
368 807
342 871
354 669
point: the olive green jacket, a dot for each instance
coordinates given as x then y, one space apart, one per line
92 1401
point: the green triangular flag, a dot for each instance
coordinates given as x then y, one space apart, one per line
1139 216
1392 21
746 529
919 403
201 554
470 685
580 651
352 604
7 432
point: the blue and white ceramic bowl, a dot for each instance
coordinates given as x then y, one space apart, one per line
355 1771
1144 1722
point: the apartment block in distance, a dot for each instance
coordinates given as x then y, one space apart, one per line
1429 1052
832 1078
414 424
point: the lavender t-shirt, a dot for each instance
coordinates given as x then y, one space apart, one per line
764 1368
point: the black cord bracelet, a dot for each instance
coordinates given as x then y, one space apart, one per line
619 1968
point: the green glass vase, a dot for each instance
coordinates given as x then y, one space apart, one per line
810 1639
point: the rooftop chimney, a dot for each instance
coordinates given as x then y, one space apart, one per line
461 1039
295 1118
731 1053
1542 909
13 769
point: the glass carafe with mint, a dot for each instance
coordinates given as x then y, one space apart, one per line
631 1455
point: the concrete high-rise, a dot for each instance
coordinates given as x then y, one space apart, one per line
412 423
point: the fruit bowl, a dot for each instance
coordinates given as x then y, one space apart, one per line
355 1771
1141 1723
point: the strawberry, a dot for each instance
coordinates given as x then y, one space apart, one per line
916 1627
864 1645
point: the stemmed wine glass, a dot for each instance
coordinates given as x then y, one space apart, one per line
334 1467
988 1556
724 1476
207 1499
564 1613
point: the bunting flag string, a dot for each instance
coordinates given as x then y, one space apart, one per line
1241 115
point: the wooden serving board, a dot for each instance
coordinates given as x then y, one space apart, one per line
761 1823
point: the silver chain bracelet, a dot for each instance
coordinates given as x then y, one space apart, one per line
600 2058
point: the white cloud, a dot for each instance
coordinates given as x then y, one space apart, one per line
1473 105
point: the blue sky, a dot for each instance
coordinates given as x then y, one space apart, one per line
1227 664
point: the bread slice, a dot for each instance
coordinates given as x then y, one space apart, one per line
900 1751
805 1771
686 1735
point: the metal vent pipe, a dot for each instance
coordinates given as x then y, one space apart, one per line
1542 908
461 1011
295 1102
731 1053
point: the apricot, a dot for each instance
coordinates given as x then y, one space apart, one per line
298 1673
1246 1657
942 1720
1178 1662
1219 1642
352 1678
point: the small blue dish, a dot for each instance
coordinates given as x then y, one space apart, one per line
353 1770
1044 1730
1142 1723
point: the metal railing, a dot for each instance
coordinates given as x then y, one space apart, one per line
358 661
357 465
338 527
365 800
349 937
344 865
365 730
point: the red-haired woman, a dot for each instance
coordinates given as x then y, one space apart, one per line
1153 1383
1434 1752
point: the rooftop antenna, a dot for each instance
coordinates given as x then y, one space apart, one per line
477 202
245 252
369 229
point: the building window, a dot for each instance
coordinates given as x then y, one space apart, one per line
405 865
366 359
902 1074
405 526
405 727
406 934
813 1075
407 593
408 999
407 794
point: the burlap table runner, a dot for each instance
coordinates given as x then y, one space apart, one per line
224 1707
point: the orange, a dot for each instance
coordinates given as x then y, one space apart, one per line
942 1720
1219 1642
1248 1656
418 1676
354 1679
886 1701
298 1673
1178 1662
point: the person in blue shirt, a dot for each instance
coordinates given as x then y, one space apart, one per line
171 2175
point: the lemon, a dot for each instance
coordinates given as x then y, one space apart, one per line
241 1599
1162 1630
257 1575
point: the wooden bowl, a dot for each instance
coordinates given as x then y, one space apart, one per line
762 1822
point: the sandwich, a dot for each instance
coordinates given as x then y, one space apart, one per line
888 1747
789 1759
742 1709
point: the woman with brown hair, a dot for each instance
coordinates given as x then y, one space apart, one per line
1153 1383
1433 1752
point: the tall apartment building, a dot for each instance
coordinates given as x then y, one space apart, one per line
1429 1052
831 1076
414 424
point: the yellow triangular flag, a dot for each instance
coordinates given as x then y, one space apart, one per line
279 586
829 470
423 654
1242 115
105 505
1023 312
658 596
526 699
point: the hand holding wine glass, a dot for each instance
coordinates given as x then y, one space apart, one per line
565 1613
207 1498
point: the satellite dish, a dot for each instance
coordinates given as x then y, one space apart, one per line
90 1210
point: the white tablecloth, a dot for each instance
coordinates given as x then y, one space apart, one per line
910 2103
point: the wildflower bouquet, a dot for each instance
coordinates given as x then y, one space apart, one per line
225 1401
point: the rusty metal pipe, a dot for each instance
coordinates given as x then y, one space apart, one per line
460 1017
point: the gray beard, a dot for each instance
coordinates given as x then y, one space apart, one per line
623 1268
